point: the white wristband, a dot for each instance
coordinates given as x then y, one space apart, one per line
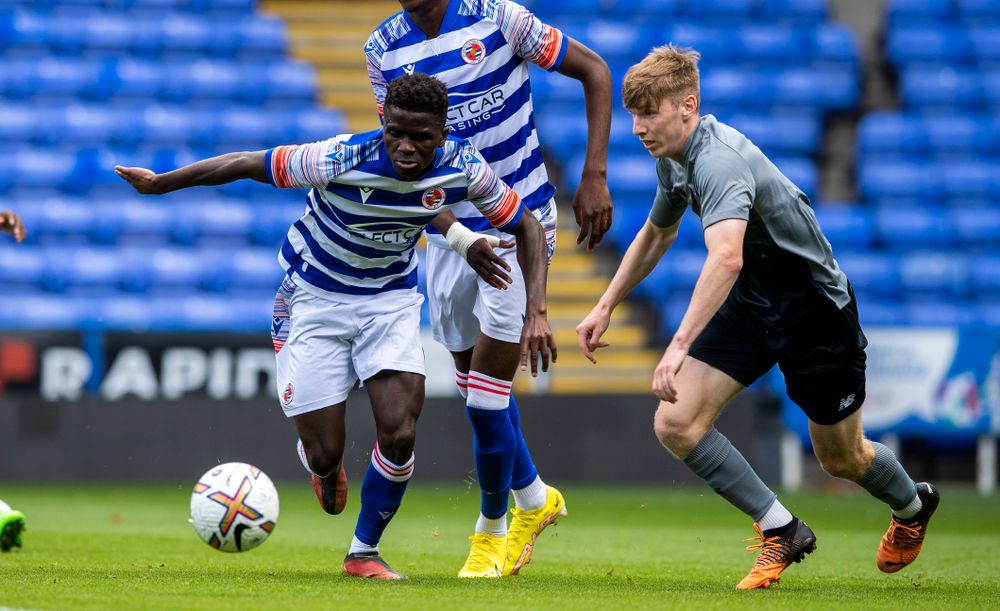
461 238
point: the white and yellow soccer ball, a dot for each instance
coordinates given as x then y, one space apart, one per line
234 507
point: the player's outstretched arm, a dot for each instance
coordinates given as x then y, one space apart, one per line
592 201
11 223
722 266
215 171
645 251
532 256
476 249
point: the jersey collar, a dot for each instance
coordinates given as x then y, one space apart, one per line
447 21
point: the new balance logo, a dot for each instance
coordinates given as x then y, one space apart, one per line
386 514
408 68
366 192
846 402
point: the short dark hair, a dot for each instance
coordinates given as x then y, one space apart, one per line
418 92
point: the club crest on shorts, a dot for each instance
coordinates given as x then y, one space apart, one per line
433 198
288 395
473 51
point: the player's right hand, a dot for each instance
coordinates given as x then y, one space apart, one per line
537 341
589 332
488 265
10 223
141 179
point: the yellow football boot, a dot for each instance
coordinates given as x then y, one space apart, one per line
486 557
525 526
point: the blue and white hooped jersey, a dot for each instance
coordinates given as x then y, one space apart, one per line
361 223
481 54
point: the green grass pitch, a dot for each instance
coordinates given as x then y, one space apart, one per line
97 547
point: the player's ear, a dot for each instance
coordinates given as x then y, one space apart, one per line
689 105
444 135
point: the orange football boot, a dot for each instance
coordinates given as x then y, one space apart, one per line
776 553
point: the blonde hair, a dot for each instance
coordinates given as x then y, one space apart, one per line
667 72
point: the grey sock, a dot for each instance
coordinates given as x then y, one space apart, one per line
886 479
716 461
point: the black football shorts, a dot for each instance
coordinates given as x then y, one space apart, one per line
822 355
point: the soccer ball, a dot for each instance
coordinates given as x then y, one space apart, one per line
234 507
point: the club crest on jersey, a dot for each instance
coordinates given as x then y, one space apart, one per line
433 198
473 51
288 395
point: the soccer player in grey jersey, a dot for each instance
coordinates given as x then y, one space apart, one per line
770 292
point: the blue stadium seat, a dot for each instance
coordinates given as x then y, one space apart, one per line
260 37
62 220
801 171
213 222
39 311
90 125
25 31
615 40
768 43
876 312
41 168
991 88
18 124
628 175
246 128
834 43
915 226
134 220
881 180
629 216
779 133
175 126
985 43
871 272
546 8
192 36
203 81
971 179
715 48
628 9
797 11
21 267
939 312
248 270
919 11
289 84
932 44
141 81
169 269
828 89
54 78
84 270
886 134
958 135
979 226
220 7
734 88
271 223
737 11
312 125
978 11
846 226
934 273
985 275
941 87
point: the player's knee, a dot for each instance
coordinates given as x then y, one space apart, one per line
844 465
324 460
396 440
677 437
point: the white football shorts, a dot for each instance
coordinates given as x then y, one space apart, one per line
324 347
462 305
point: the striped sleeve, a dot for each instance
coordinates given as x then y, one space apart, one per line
528 37
304 165
491 196
374 60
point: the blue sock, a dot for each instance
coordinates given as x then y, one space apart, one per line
524 468
493 442
381 494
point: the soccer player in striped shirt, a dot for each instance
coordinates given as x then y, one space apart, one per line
482 49
348 308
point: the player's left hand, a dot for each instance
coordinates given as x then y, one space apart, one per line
592 208
141 179
10 223
665 374
537 340
488 265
